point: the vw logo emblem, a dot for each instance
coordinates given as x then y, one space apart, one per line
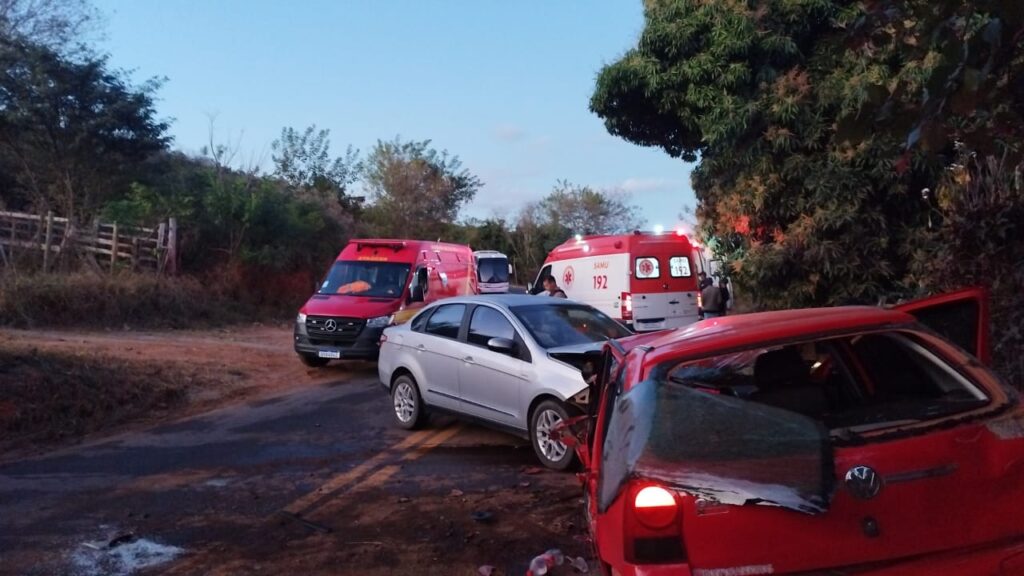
330 325
863 482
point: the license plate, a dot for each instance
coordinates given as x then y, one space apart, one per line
329 354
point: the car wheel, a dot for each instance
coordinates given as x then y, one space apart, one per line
313 361
551 453
405 399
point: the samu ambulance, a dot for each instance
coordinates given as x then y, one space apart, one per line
647 280
373 284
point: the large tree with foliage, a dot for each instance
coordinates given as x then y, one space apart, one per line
73 133
417 191
823 128
586 210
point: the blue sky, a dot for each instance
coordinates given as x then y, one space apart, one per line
503 85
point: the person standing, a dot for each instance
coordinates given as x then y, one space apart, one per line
723 287
711 301
704 281
551 288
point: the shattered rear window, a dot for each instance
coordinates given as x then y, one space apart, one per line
720 447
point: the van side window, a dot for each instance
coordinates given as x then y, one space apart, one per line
538 287
446 321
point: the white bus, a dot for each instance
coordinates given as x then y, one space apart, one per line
492 271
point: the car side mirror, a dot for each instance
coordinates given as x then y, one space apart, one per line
416 294
502 345
529 287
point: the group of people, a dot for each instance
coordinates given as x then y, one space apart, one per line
714 299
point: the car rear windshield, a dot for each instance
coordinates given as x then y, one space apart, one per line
372 279
555 326
492 270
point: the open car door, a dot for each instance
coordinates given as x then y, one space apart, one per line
962 317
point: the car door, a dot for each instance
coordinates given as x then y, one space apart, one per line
961 317
491 383
439 353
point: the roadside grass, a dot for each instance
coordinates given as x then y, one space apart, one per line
90 300
47 397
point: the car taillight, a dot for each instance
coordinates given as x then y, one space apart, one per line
383 339
626 300
655 507
654 529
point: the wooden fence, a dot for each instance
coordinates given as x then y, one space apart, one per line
103 246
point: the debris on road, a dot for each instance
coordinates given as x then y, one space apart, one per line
456 493
486 570
123 555
542 564
580 564
482 516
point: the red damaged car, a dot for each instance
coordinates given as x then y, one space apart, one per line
849 440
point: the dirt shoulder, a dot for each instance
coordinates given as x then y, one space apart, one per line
61 386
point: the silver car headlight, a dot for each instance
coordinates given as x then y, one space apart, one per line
379 322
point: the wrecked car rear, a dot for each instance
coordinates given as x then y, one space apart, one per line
792 442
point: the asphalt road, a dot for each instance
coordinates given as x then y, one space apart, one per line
314 481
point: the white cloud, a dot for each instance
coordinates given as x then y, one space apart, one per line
640 185
509 133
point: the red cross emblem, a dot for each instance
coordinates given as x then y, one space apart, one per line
646 268
568 276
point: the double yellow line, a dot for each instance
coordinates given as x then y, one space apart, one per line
374 471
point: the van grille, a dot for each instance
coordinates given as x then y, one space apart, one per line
334 328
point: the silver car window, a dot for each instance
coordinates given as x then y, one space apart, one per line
488 323
446 321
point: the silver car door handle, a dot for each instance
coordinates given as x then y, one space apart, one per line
468 359
421 347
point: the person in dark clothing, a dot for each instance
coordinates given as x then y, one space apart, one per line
551 288
723 287
704 281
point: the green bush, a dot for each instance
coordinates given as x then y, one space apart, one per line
114 301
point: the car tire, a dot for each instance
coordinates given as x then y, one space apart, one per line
552 454
407 405
313 361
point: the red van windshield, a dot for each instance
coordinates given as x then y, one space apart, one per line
372 279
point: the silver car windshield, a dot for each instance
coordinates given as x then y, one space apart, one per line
557 326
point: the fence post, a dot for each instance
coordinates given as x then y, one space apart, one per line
135 254
113 250
48 241
172 246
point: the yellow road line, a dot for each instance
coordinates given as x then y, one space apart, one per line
339 482
382 475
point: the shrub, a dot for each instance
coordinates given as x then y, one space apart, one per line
135 300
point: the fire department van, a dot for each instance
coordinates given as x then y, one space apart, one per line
493 271
373 284
644 279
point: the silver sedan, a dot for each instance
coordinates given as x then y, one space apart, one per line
512 362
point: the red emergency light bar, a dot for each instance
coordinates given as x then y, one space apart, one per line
395 245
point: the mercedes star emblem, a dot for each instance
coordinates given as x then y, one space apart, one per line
330 325
863 482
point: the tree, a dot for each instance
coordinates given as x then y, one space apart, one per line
303 160
72 134
584 210
821 125
417 191
59 25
